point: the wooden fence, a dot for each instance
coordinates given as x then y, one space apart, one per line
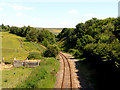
26 63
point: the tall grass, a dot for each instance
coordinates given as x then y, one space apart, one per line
12 78
43 76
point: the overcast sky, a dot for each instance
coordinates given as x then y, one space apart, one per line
55 13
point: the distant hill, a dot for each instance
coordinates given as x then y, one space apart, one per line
53 30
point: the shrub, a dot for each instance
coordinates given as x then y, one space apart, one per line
76 53
34 55
73 51
7 63
52 51
5 80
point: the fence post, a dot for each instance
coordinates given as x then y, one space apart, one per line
13 61
14 58
38 63
25 63
3 60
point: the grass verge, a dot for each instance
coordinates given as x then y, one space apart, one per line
43 76
12 78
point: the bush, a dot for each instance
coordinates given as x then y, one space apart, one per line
72 51
34 55
76 53
45 43
7 63
52 51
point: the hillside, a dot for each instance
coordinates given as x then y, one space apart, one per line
55 31
16 46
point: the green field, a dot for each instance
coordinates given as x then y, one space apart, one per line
55 31
14 77
15 46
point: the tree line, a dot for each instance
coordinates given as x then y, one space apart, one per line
97 41
44 37
32 34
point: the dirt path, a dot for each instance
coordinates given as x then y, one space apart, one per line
6 67
75 80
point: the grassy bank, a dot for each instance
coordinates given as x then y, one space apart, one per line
16 46
14 77
43 76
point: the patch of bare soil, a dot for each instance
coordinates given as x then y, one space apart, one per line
5 66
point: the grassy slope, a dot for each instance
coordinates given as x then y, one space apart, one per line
15 46
43 76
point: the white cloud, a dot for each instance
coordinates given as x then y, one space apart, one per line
19 14
1 9
73 11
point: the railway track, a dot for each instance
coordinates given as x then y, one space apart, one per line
67 74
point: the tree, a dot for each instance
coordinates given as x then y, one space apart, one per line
52 51
32 35
46 37
34 55
117 28
80 30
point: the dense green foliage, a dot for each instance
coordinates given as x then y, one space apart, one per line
52 51
43 76
94 38
97 42
34 55
32 34
55 31
0 28
46 37
4 28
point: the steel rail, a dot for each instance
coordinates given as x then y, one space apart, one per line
63 56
